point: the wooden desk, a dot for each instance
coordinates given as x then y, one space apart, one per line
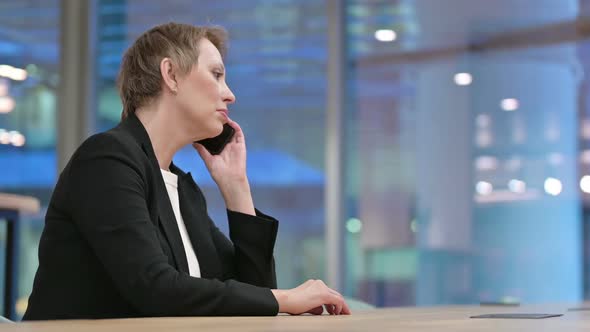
11 206
396 319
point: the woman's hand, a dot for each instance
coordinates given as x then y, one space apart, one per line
228 170
311 297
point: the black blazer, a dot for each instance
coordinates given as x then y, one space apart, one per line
111 245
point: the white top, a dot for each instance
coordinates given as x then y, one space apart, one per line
171 181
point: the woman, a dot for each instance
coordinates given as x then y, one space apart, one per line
127 233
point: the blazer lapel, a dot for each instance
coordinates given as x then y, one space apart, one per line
133 126
169 224
198 227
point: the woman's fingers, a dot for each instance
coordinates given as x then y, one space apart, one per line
316 311
201 149
331 299
338 303
239 134
329 308
312 297
346 309
203 152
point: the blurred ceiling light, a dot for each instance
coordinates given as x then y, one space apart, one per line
513 164
484 188
17 139
553 186
509 104
354 225
555 159
483 121
463 79
517 186
385 35
483 138
6 104
552 133
4 137
486 163
585 184
13 73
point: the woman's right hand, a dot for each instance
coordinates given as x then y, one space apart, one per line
311 297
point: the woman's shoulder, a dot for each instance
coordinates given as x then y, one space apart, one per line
112 143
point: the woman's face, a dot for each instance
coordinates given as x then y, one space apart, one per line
203 96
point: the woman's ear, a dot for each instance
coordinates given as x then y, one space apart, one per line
168 71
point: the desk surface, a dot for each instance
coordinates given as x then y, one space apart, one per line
448 318
22 204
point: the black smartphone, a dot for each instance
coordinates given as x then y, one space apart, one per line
216 144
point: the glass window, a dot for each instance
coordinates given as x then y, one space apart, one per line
463 176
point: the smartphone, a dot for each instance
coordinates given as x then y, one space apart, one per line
216 144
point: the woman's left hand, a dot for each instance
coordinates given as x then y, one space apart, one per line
228 170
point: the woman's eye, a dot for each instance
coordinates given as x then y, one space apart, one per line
218 75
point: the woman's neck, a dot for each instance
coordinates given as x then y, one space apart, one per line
164 135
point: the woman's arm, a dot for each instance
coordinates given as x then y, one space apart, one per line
228 170
248 257
253 247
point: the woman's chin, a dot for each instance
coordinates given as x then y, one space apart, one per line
214 132
219 130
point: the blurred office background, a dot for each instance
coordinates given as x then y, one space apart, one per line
416 152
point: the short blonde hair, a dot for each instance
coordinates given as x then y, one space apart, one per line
140 80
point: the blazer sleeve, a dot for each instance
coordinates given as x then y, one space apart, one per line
250 251
107 198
